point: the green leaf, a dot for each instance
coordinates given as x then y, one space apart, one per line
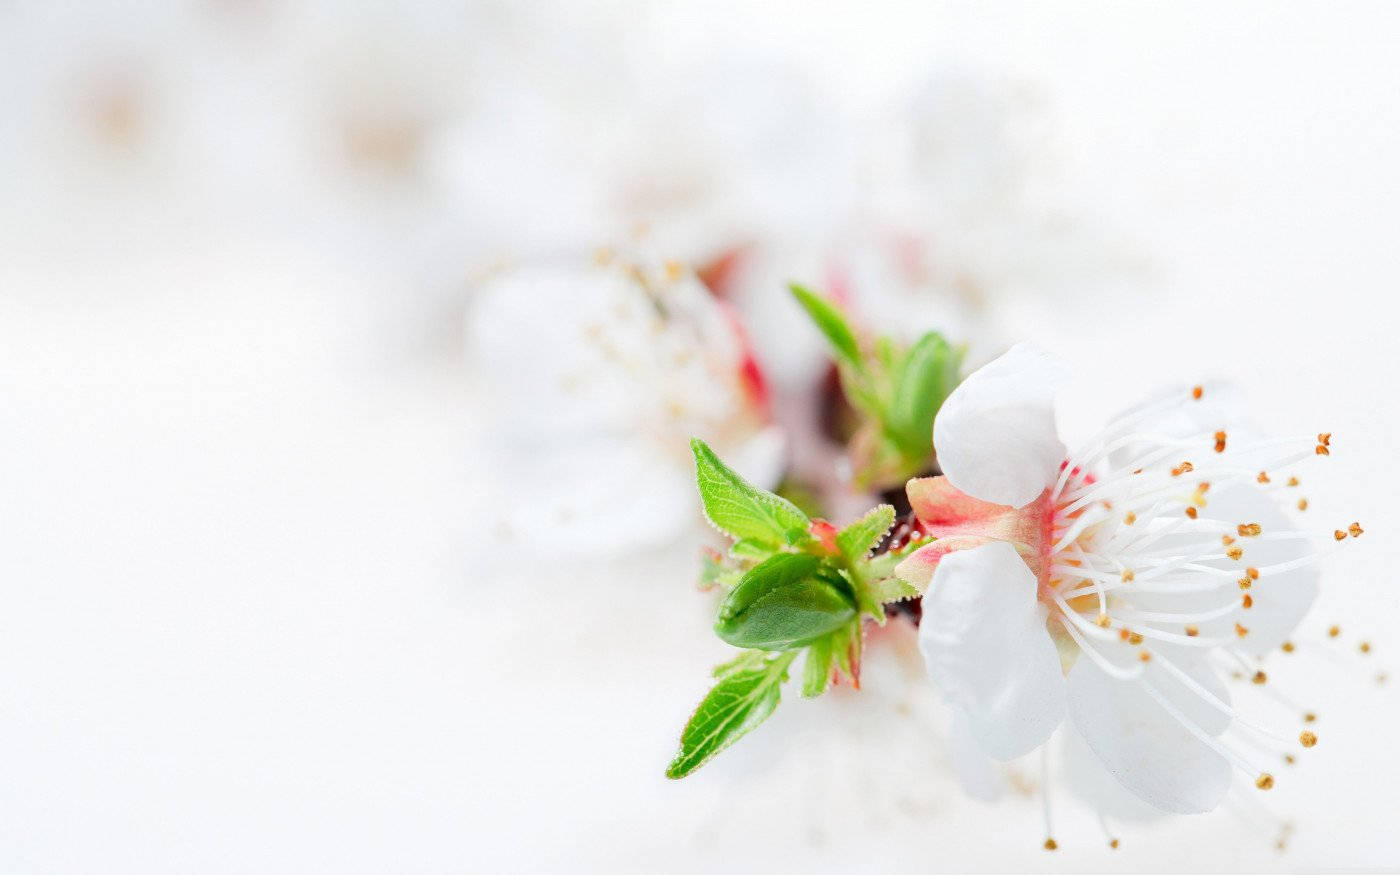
845 651
741 509
832 324
861 393
750 548
717 570
922 380
784 602
854 542
861 536
749 659
879 581
801 495
869 604
891 589
816 669
743 698
886 352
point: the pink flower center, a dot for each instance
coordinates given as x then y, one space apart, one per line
960 522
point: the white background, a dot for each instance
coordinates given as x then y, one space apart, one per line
251 618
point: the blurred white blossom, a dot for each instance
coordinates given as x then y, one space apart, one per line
597 376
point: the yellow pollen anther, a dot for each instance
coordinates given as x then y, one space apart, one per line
1127 575
1191 512
1247 601
1123 634
1289 758
1365 647
1197 391
1302 504
1220 441
1263 477
1050 845
1241 630
1102 620
1309 717
1183 468
1334 631
1288 647
1235 552
1226 540
1249 530
1245 583
1259 677
1292 481
1113 843
1129 518
1252 572
1264 781
1307 739
1339 535
1145 655
1134 638
1322 450
1325 438
1192 631
1355 530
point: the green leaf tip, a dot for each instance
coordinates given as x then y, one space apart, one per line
861 536
741 509
816 668
831 323
748 691
923 379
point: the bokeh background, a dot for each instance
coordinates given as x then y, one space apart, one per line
268 600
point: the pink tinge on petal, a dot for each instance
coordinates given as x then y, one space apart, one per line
1078 473
951 515
752 381
719 273
944 510
917 570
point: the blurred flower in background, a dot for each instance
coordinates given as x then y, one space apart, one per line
596 378
351 355
914 212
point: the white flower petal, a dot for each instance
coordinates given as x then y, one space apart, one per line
984 641
981 776
1281 599
995 435
1086 777
1178 413
1142 745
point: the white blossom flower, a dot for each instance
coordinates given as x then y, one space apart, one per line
1106 585
597 376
